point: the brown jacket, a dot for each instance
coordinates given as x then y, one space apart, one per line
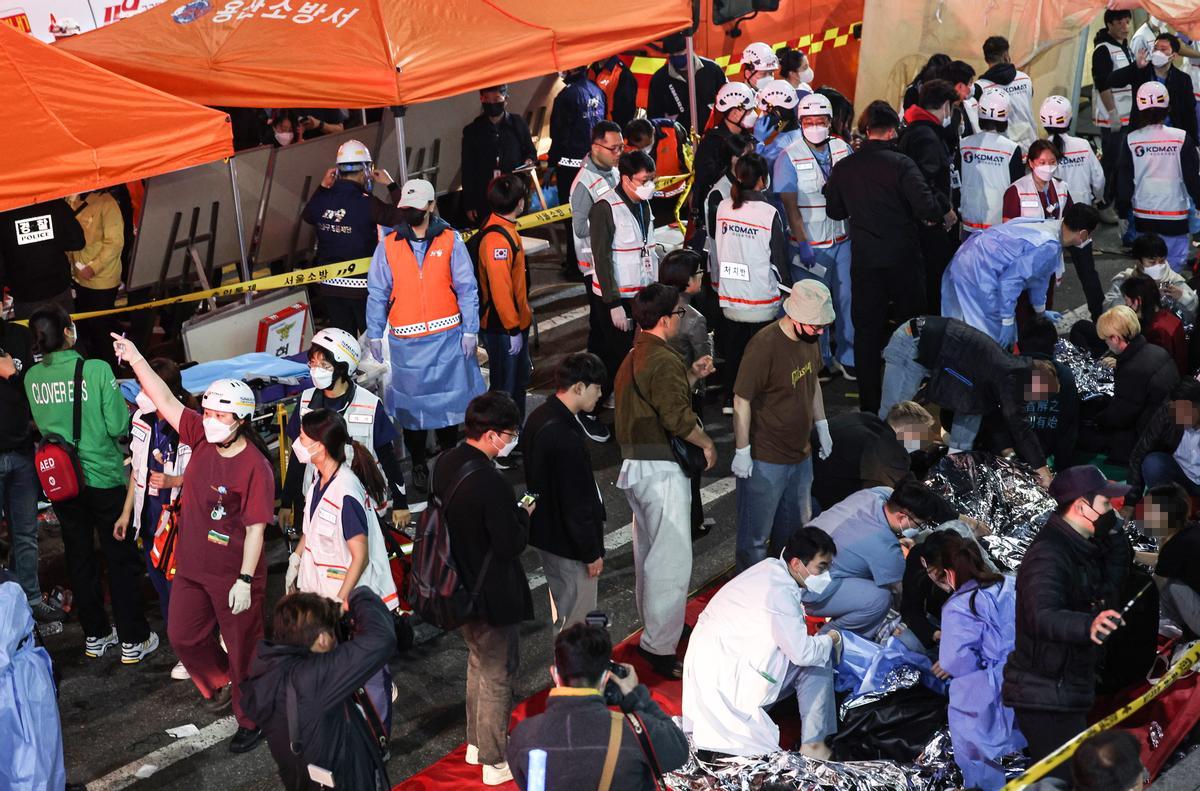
662 378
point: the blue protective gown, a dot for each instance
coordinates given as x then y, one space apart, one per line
974 646
432 380
993 267
31 756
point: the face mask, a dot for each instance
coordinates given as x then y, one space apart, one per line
144 403
414 217
493 109
806 75
807 337
946 120
679 62
759 82
749 119
648 150
1104 524
284 138
1159 59
1156 271
217 432
1045 172
303 454
507 448
646 191
322 378
911 445
816 135
816 583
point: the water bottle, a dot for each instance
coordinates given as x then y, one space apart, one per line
537 771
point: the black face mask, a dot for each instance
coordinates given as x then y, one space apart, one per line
493 109
807 338
1104 524
414 217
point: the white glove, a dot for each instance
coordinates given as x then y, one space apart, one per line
743 465
239 597
293 571
468 344
619 319
375 345
825 439
124 349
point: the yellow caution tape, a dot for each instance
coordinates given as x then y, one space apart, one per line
1043 767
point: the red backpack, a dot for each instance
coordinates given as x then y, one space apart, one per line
57 460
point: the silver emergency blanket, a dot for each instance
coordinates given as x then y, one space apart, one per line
901 677
1092 379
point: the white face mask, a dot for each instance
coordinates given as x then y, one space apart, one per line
1159 59
1045 172
284 138
648 150
947 119
217 432
646 191
303 454
816 134
1156 271
806 75
761 81
816 583
912 445
322 378
749 119
508 447
144 403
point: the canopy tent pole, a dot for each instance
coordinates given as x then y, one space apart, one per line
691 77
398 114
237 218
1077 83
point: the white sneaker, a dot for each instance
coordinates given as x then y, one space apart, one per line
132 653
96 646
179 672
472 755
497 774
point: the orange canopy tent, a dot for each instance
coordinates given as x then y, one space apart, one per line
73 127
364 53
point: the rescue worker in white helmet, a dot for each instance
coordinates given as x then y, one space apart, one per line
822 248
759 65
1159 170
342 546
989 161
777 126
333 360
227 500
733 113
1080 169
346 216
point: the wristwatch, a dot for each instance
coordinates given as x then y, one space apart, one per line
246 578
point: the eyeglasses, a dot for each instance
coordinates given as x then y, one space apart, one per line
679 312
617 149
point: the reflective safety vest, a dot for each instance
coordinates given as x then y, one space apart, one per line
1158 190
1020 108
139 450
810 181
723 187
608 79
359 415
1192 69
1031 201
1122 97
326 558
667 160
1080 168
597 186
985 177
423 300
747 280
634 256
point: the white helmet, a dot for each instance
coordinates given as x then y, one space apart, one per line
1056 112
341 345
734 94
815 104
993 105
229 395
777 93
760 57
353 155
1152 94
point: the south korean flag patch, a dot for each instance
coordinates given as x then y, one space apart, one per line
500 254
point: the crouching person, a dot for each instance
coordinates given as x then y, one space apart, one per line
301 685
751 647
586 744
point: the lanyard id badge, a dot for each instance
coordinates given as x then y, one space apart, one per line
647 265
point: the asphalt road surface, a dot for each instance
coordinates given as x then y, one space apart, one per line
115 718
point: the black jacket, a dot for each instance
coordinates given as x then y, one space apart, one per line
1054 419
886 199
1102 63
924 142
708 167
569 518
488 147
332 729
920 598
1144 375
34 242
16 422
1160 434
574 733
1181 102
866 453
668 96
972 374
1064 582
484 518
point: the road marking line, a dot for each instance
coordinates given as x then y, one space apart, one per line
562 318
163 757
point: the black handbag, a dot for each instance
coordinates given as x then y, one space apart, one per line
689 457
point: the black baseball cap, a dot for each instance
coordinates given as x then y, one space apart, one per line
1086 480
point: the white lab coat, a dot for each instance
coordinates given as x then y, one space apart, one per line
742 657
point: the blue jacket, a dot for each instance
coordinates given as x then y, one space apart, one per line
577 108
344 222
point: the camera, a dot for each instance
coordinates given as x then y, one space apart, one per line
612 693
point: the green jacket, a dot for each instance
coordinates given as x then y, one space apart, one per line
50 386
662 377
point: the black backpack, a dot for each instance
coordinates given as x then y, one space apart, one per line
435 590
481 279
